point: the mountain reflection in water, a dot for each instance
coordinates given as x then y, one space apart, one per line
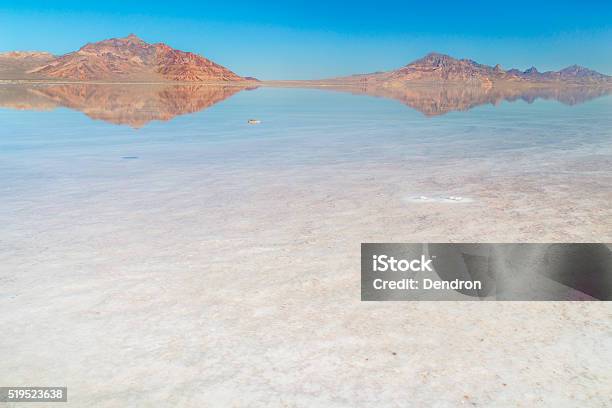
129 104
439 100
136 105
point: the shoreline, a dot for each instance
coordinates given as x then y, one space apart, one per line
308 83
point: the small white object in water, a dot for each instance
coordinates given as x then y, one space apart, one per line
422 198
254 121
455 198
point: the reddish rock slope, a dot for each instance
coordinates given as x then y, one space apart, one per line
130 58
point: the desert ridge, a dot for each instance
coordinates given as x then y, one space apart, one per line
131 59
128 59
441 69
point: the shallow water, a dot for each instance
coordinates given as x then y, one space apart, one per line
354 145
226 253
306 126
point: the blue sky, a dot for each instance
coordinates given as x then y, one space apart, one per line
310 39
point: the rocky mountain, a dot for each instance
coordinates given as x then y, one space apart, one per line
577 72
440 68
130 59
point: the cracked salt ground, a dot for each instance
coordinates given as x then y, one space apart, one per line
438 199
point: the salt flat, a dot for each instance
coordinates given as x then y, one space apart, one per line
220 266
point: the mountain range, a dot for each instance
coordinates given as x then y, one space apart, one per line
15 64
444 69
130 59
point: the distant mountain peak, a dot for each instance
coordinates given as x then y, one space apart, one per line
14 64
133 39
126 43
438 68
436 55
580 71
435 59
26 54
132 59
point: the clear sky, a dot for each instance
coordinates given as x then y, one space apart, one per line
314 39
